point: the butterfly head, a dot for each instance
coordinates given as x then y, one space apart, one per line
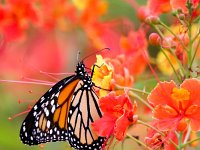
80 69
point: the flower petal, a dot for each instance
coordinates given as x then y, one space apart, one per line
164 111
193 86
166 115
161 94
122 124
159 6
112 104
104 126
193 113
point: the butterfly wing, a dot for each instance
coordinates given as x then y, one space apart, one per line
65 113
83 111
47 120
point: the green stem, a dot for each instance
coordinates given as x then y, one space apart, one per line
196 36
137 141
180 136
140 99
197 47
195 54
177 76
197 19
181 21
187 136
179 63
168 29
132 89
190 45
189 142
148 125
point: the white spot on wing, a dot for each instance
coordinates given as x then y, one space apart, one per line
52 102
42 99
48 124
35 107
57 94
53 109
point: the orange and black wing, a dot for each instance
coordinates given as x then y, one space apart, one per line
47 120
65 113
83 111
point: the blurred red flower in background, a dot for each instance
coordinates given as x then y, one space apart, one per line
16 17
57 13
134 49
118 114
121 74
41 53
157 7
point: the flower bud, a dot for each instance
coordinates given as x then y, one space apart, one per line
142 13
152 20
181 17
180 11
154 39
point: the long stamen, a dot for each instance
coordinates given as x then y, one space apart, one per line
57 74
26 101
50 76
36 80
19 114
29 82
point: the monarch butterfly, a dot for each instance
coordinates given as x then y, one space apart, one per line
65 113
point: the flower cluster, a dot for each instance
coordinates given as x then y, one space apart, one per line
175 104
147 83
118 115
17 17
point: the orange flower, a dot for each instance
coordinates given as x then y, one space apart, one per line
118 114
98 7
176 104
57 13
17 16
90 22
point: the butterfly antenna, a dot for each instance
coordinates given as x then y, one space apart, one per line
78 56
95 53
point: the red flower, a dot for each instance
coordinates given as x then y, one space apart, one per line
134 46
121 74
57 13
118 114
157 7
176 104
17 15
155 140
